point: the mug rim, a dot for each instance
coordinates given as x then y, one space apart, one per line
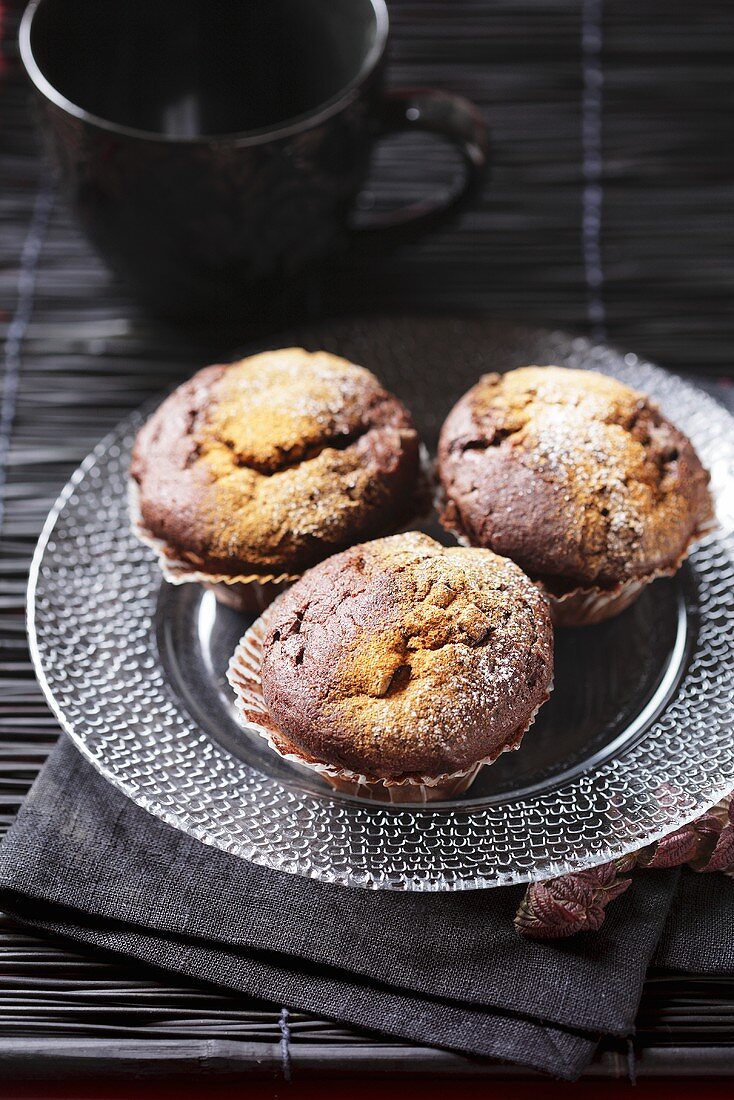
260 136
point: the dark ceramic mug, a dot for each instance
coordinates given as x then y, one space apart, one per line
210 146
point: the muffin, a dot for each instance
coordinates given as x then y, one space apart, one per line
576 477
250 473
398 668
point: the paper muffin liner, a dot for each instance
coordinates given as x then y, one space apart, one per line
251 592
589 606
243 675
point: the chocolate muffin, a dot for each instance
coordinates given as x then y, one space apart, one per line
398 668
577 478
250 473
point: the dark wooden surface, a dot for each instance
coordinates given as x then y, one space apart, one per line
656 272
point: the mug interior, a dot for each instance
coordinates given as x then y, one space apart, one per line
186 69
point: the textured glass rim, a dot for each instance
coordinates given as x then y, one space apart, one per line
626 367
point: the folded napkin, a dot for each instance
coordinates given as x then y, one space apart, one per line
446 970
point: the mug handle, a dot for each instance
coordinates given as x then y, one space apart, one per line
449 116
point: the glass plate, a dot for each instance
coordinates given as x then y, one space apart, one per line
635 741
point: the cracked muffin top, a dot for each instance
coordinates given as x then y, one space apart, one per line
272 463
579 479
403 658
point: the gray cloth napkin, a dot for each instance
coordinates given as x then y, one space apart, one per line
698 937
446 970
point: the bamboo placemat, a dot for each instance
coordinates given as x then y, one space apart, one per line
610 208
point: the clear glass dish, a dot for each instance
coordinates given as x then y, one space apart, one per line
635 741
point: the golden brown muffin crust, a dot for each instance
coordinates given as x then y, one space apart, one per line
271 463
403 657
576 477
